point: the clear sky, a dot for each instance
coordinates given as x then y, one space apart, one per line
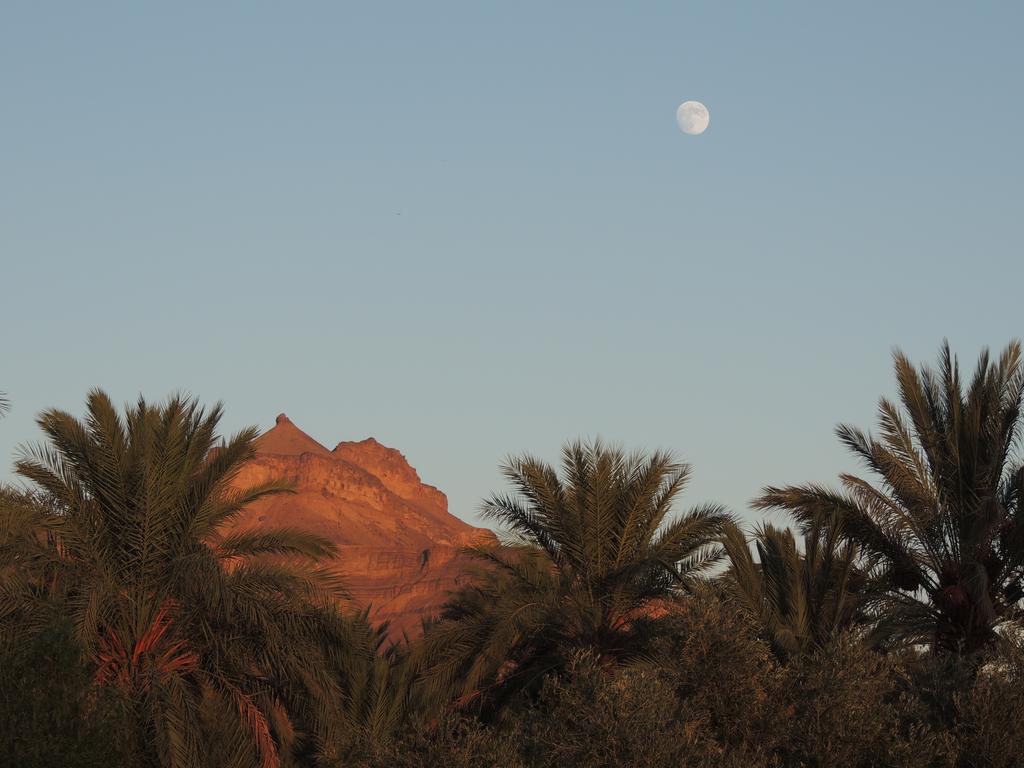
470 229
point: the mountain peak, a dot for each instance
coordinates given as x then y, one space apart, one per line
375 457
399 546
287 439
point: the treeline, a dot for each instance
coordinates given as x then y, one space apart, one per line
874 623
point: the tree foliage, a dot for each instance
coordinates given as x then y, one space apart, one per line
595 554
943 523
800 597
50 714
126 533
139 626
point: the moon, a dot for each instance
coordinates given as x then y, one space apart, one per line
693 118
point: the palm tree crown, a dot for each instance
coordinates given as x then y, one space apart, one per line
182 615
800 598
589 556
943 524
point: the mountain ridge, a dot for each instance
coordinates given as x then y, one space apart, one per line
399 548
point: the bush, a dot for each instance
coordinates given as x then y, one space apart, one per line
708 697
597 717
728 684
990 715
456 742
714 696
50 715
853 708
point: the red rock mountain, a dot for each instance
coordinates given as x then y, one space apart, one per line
398 544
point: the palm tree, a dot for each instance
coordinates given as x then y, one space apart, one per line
800 599
592 558
380 699
127 533
943 522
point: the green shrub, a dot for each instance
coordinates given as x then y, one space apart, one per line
595 717
853 708
50 714
990 716
708 697
456 742
726 679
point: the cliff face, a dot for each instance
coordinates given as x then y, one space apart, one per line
398 544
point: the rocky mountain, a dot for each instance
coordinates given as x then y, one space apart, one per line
398 543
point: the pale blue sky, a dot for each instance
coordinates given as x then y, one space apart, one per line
206 196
